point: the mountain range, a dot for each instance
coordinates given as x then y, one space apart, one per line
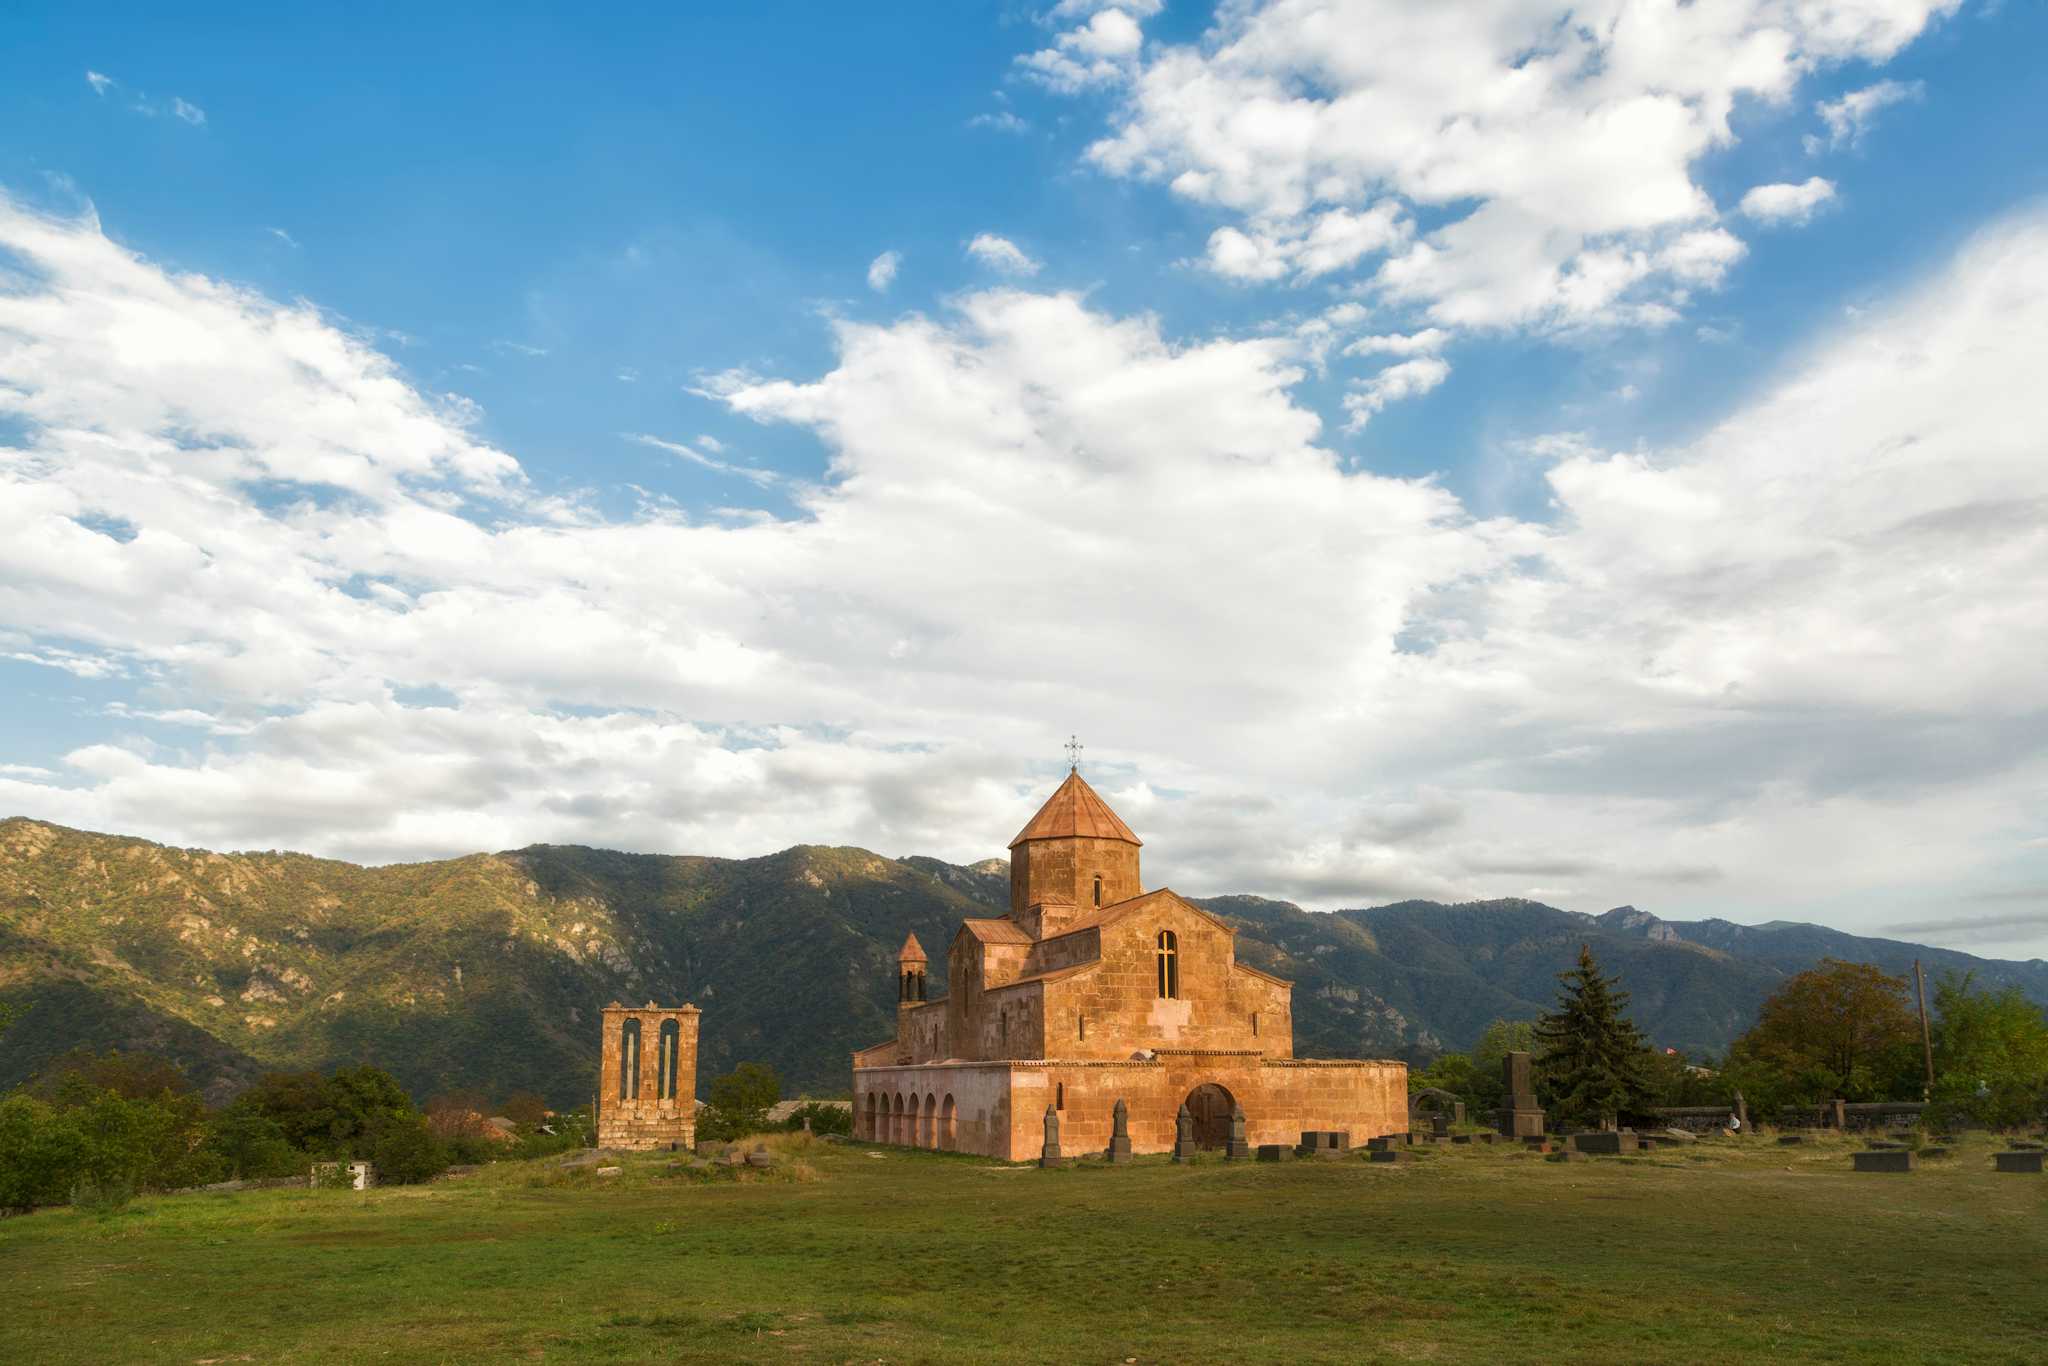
487 972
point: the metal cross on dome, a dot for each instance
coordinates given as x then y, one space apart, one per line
1074 748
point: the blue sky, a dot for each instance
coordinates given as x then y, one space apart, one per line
1311 426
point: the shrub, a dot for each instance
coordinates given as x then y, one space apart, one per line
404 1152
101 1198
42 1153
825 1119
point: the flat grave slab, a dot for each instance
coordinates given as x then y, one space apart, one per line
2028 1160
1885 1160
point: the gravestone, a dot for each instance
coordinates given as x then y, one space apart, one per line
1389 1155
1184 1135
1324 1143
1275 1152
1885 1160
1120 1133
760 1157
1741 1114
2020 1160
1461 1138
1235 1146
1519 1116
1050 1156
1837 1115
1605 1142
1439 1125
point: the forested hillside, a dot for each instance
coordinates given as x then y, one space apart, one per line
488 971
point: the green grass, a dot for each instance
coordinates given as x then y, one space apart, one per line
1721 1251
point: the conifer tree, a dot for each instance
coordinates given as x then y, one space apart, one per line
1592 1056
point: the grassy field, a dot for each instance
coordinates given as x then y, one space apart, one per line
1725 1250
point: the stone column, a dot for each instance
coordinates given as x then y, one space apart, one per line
1236 1147
1519 1117
1050 1157
1741 1114
1120 1134
1184 1135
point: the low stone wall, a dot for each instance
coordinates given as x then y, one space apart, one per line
1878 1114
1694 1119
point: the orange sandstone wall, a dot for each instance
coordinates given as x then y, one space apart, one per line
1067 869
648 1121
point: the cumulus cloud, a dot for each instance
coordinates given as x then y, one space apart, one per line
1787 203
1851 116
1703 684
1001 254
1405 379
882 271
1561 140
1100 50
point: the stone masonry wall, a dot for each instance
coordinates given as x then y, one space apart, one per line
647 1120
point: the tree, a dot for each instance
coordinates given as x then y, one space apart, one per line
1591 1056
739 1102
1840 1029
1990 1054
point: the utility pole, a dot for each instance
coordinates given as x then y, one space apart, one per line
1926 1039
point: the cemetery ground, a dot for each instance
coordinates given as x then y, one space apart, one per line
1721 1249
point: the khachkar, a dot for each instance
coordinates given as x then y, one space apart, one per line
1126 1012
1519 1116
647 1088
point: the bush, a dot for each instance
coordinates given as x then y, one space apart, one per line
404 1152
42 1153
825 1119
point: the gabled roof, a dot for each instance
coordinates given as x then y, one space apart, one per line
1119 910
912 952
1074 811
995 931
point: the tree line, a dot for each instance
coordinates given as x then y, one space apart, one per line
1839 1030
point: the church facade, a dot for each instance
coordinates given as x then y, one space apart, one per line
1092 990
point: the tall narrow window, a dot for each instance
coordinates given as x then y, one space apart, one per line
1060 1097
1081 1026
666 1060
1098 889
1255 1024
629 1060
1169 965
1003 1028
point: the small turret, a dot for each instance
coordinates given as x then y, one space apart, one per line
910 965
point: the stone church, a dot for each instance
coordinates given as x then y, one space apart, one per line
1093 990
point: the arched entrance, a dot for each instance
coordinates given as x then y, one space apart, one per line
928 1135
1210 1104
949 1125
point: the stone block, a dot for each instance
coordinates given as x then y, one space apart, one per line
1275 1152
1606 1143
1389 1155
1119 1150
1678 1136
1885 1160
2022 1160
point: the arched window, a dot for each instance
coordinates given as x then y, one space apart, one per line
1098 889
1169 965
629 1060
666 1058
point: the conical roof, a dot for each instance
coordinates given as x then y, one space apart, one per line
1074 811
913 952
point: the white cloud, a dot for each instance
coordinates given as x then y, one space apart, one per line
1430 339
1851 116
1561 140
1787 203
513 348
1002 121
1101 50
882 271
1405 379
764 478
1001 254
281 235
1704 686
100 84
190 113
